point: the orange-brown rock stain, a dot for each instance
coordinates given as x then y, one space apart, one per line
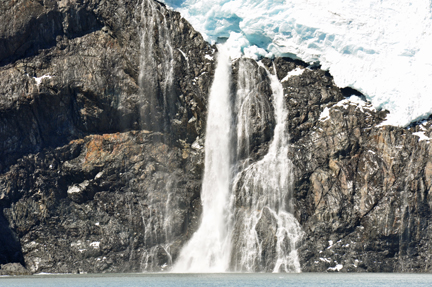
100 147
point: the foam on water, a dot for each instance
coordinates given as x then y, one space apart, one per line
380 48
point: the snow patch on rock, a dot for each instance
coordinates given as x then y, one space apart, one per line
296 72
422 137
325 114
39 79
95 244
337 268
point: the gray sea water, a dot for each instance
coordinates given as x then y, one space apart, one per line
226 279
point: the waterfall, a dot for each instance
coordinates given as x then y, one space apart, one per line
156 74
247 222
156 71
267 232
209 248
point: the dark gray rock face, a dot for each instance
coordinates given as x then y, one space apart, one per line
361 191
105 203
102 126
84 186
255 119
90 84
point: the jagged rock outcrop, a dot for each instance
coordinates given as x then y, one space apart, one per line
13 269
87 80
102 126
254 118
361 190
84 186
104 203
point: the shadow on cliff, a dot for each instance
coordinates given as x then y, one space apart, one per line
10 249
42 31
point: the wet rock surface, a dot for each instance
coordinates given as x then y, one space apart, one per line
102 150
104 203
13 269
91 83
361 190
84 186
255 119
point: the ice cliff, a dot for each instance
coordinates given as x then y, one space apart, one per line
380 48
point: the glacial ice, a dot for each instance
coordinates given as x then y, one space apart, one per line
379 47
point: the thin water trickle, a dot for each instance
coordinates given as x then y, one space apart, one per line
156 74
156 71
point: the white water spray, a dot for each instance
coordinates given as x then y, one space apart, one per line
156 86
209 248
156 71
247 225
268 232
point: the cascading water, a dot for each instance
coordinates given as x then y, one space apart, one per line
156 86
246 222
156 72
255 120
157 221
209 248
267 233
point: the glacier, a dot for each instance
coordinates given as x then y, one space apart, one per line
378 47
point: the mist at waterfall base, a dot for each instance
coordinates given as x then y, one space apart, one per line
381 48
221 280
240 197
209 248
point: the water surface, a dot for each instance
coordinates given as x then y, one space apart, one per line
225 279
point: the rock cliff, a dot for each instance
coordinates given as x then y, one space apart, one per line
102 125
75 110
